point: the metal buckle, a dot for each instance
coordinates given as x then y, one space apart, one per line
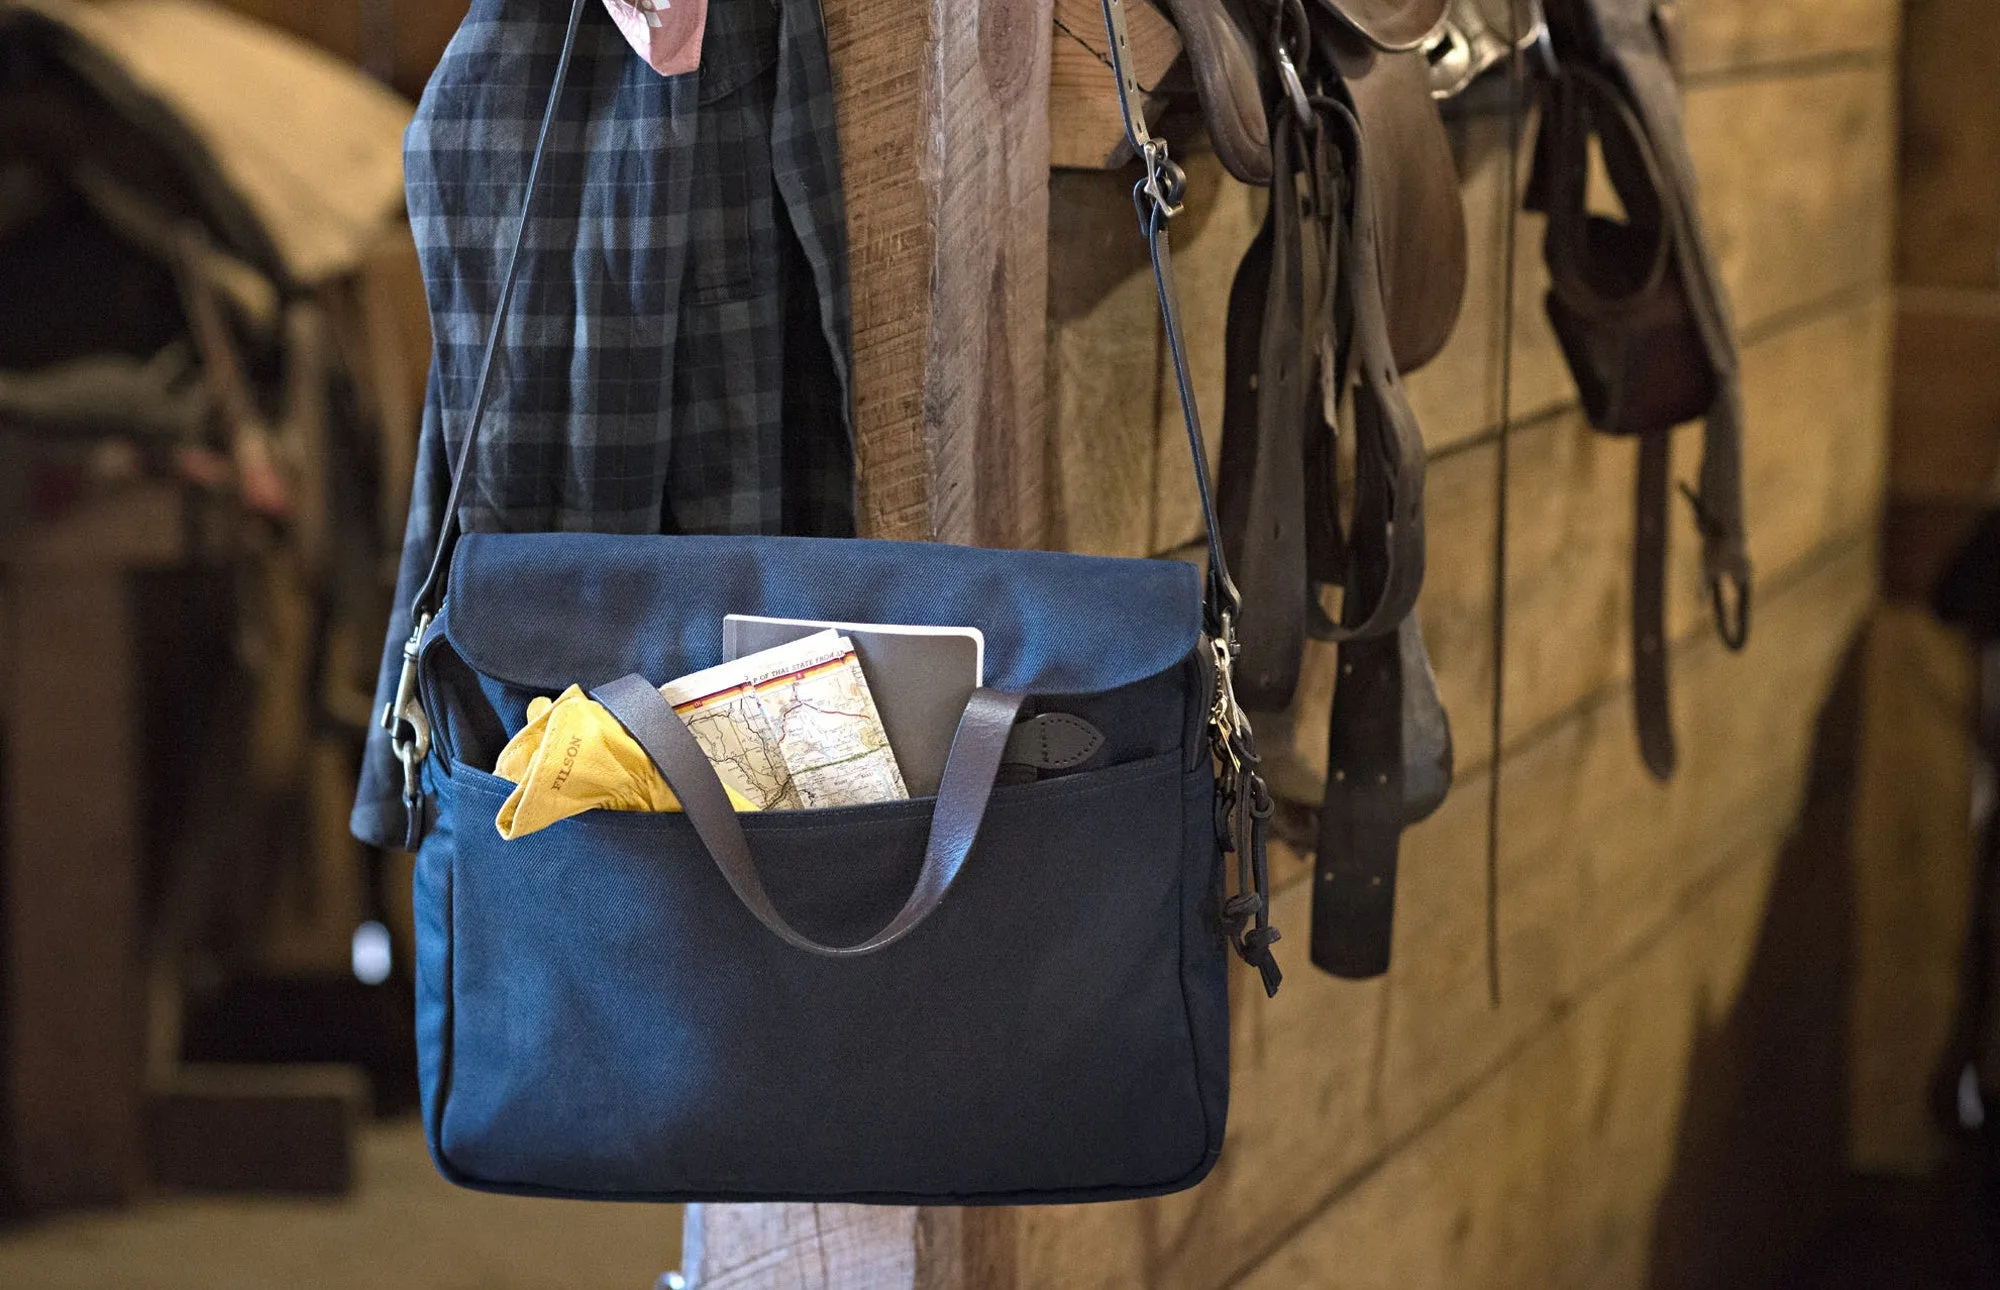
1541 48
1295 89
1227 721
1291 43
1164 186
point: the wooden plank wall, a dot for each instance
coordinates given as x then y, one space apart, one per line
1672 958
1914 849
1947 443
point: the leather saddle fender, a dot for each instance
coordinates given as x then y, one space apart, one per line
1419 211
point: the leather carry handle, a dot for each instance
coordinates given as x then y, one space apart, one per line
969 773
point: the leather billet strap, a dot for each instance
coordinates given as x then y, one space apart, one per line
1361 818
1652 689
1280 518
1366 806
969 772
1385 426
1629 40
1263 494
1325 313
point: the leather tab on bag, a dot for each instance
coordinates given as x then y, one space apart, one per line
1052 741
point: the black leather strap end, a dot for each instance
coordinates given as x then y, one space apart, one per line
1361 821
1652 701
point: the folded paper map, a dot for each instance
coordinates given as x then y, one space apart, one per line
920 678
792 727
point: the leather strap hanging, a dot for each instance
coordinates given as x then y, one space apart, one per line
1641 316
1355 277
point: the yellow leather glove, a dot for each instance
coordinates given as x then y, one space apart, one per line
573 757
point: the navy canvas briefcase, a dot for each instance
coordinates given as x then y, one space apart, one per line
1007 993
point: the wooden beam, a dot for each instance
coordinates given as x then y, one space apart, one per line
945 148
944 140
881 54
1949 226
1812 155
1945 445
73 1088
1729 36
245 1127
748 1247
1915 872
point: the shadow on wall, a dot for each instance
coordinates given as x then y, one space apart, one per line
1761 1154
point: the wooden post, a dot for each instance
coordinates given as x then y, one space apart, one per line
73 1041
73 1048
945 151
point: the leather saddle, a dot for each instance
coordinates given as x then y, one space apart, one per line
1355 278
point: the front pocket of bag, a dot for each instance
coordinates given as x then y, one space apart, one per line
620 1023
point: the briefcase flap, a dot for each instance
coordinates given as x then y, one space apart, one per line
547 610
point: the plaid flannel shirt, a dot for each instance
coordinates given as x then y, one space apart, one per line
676 355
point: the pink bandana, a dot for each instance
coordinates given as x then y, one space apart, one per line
667 33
